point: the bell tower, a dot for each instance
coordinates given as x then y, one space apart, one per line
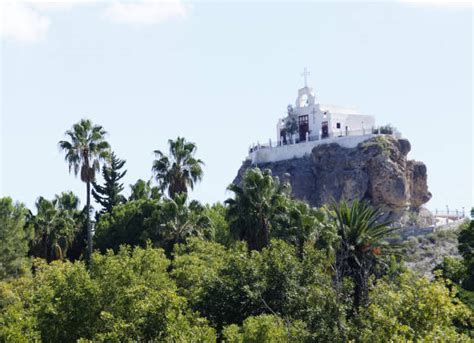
306 96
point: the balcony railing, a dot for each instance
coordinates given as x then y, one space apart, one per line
311 137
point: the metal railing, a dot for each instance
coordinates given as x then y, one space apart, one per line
450 214
337 134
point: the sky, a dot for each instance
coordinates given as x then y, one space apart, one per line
221 74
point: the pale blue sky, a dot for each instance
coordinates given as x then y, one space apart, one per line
222 74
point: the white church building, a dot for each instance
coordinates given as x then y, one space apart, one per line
309 124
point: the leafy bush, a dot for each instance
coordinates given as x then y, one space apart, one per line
14 236
414 309
229 285
123 296
265 329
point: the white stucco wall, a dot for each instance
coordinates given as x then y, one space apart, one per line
290 151
352 122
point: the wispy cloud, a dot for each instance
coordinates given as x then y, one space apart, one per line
28 21
441 3
147 12
21 22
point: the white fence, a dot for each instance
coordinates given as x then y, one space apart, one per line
331 136
265 154
344 138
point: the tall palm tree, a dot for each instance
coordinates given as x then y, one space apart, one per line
84 151
256 206
179 170
362 235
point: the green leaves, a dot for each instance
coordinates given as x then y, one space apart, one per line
179 170
109 195
466 248
14 236
229 285
361 235
85 149
253 211
413 309
164 222
265 329
122 297
56 225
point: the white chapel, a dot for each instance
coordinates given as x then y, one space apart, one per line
317 121
309 123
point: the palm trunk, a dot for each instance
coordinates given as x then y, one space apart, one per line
361 289
88 221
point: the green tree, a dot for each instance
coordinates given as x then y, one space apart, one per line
17 321
229 285
361 239
67 204
85 149
131 223
67 201
109 195
301 224
195 264
178 220
255 207
265 328
143 190
452 268
163 222
14 236
55 227
466 249
413 310
121 297
220 230
179 170
291 122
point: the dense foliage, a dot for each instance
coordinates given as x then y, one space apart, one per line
14 236
109 195
58 228
261 267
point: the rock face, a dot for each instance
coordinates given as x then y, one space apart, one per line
376 170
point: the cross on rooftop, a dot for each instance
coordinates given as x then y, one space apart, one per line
305 75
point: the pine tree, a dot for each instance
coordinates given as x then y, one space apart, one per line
109 195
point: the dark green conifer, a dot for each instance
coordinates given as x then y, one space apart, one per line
109 195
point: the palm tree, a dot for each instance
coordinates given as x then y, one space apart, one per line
300 224
180 220
55 228
84 151
179 170
362 235
256 206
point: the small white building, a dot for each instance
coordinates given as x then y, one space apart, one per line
317 121
310 123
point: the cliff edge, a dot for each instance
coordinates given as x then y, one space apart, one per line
376 170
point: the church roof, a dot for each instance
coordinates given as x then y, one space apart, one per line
338 109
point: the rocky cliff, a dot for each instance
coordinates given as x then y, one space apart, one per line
376 170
